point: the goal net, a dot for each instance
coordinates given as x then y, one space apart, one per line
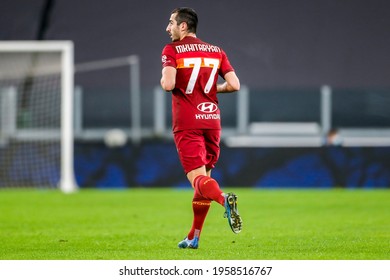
36 114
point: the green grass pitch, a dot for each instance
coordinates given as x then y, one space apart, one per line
147 224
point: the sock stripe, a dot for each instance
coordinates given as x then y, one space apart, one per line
201 203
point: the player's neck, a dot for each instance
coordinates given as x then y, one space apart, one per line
188 35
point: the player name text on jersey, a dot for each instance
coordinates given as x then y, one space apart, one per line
197 47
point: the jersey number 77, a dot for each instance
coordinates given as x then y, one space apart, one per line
196 63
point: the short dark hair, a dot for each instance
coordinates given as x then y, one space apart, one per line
187 15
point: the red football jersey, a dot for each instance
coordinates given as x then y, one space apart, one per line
194 98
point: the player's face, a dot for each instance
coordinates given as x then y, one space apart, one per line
173 28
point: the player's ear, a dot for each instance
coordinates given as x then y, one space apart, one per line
183 26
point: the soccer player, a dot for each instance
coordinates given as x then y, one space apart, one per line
190 71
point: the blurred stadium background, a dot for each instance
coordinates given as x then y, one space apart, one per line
308 69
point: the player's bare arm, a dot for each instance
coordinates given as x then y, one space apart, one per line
168 79
231 84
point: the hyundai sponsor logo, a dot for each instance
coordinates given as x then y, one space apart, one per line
207 107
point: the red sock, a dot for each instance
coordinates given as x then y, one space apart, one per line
200 207
209 188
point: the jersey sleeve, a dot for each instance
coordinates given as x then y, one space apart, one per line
168 57
226 67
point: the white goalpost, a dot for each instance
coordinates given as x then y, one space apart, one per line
36 114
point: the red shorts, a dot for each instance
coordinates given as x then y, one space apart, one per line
198 147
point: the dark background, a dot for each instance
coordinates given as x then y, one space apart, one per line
283 50
272 43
